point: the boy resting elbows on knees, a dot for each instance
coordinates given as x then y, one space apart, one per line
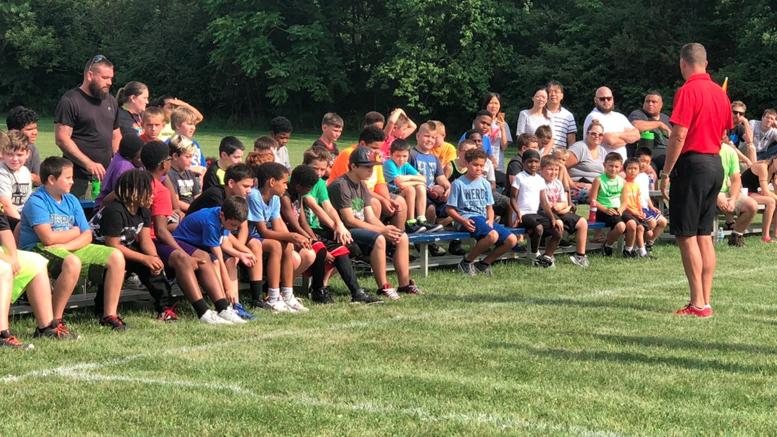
186 183
527 199
264 214
191 266
631 210
280 131
398 126
402 178
471 206
15 178
328 252
230 152
646 181
207 230
54 225
153 123
184 121
25 272
26 120
557 197
128 158
607 190
351 197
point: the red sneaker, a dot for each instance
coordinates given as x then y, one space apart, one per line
691 310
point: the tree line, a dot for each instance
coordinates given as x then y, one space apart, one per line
245 61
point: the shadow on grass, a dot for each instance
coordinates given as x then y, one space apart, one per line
678 343
548 301
639 358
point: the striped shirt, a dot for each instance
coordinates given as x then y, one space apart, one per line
563 124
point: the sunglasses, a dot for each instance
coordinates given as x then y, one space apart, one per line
96 59
604 99
595 134
738 113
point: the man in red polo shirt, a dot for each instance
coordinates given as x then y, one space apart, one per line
700 118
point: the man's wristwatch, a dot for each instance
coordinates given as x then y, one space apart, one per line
662 176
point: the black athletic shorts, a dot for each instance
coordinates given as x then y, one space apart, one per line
569 219
610 221
628 216
530 221
695 183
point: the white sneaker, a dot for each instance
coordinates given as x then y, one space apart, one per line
230 315
295 305
278 306
210 317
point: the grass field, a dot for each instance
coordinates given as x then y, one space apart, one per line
568 351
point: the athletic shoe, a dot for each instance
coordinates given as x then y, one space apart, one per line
56 329
414 228
211 318
388 291
435 250
361 262
736 240
691 310
295 305
649 245
114 322
278 306
133 282
169 314
630 253
230 315
482 267
431 227
468 268
410 289
606 251
243 312
564 243
362 296
543 261
578 260
7 339
322 295
648 256
454 248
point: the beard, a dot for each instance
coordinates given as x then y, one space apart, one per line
602 109
96 91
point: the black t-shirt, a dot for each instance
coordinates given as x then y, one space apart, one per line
211 177
296 202
128 123
115 220
737 134
185 183
515 165
93 121
661 140
210 198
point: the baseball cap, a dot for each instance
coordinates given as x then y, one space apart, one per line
363 156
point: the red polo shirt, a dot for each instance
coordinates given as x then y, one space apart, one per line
703 107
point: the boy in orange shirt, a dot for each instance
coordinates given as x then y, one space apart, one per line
631 210
445 152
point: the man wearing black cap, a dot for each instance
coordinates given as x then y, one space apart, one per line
351 197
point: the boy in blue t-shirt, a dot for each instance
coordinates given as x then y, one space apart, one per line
402 178
54 225
429 166
471 204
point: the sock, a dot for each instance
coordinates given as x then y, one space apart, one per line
256 289
535 255
581 255
642 251
707 306
609 246
288 292
421 218
736 233
272 295
628 248
221 305
200 307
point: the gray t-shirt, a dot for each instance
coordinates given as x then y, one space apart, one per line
661 140
587 167
343 193
762 138
16 186
33 162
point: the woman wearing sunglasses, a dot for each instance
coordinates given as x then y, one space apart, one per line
586 161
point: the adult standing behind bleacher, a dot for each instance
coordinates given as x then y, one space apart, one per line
649 118
617 130
563 122
132 99
700 118
86 124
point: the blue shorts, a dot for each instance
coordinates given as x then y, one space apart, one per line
482 229
650 214
365 239
438 207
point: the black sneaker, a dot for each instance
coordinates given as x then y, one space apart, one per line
606 251
482 267
630 253
435 250
7 339
56 329
114 322
649 245
431 227
323 296
410 289
467 268
362 296
564 243
455 248
361 262
414 228
735 240
543 261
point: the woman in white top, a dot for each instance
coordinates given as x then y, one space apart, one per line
500 132
530 119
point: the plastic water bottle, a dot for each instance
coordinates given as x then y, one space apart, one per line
721 237
95 188
592 213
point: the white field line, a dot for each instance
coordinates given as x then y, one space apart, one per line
305 401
